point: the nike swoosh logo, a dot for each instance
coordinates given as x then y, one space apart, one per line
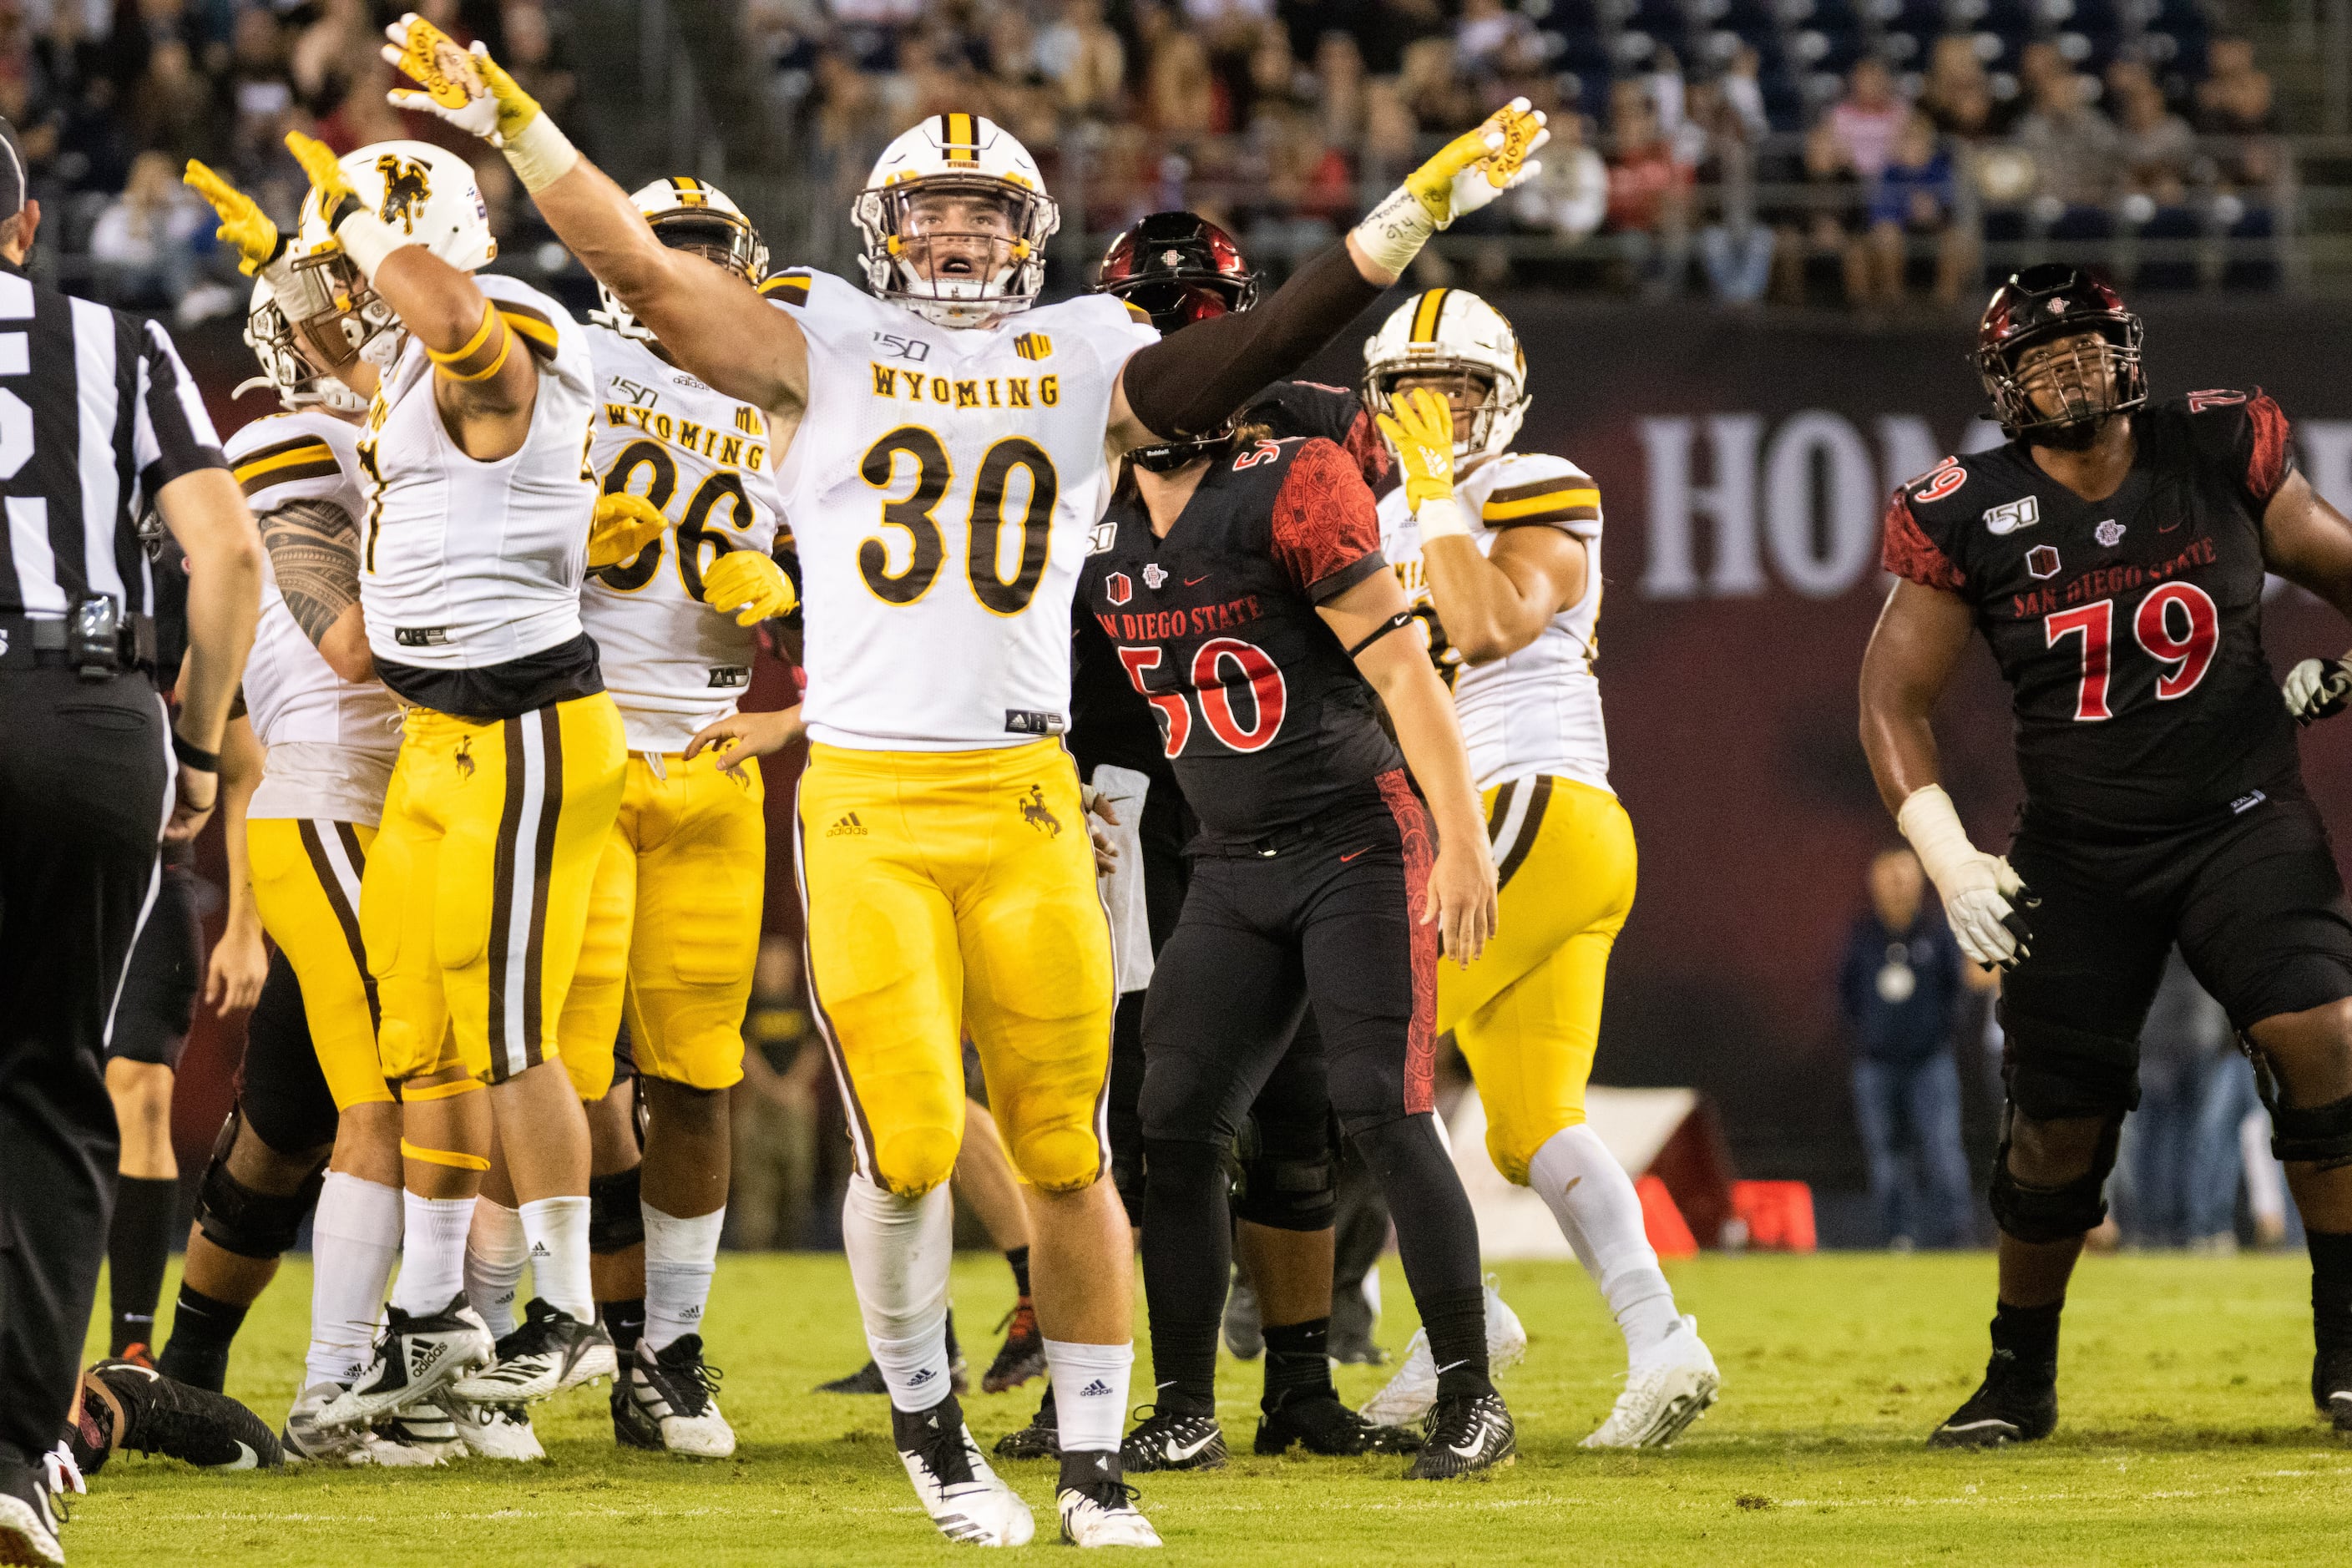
1571 1185
1181 1451
2167 527
1196 582
1353 853
1478 1440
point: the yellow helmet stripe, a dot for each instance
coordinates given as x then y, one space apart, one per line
960 137
1424 317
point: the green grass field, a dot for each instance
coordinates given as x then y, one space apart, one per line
2187 1436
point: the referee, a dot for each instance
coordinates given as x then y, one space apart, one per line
99 420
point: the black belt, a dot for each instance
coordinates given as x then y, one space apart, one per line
44 642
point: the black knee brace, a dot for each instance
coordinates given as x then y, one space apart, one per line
236 1218
2320 1134
2038 1215
615 1220
1286 1179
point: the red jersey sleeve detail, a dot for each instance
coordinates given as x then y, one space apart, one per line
2272 457
1366 445
1909 553
1326 531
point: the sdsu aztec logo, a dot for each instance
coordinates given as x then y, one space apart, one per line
2011 516
406 189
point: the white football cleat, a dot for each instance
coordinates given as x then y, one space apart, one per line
303 1439
962 1494
1409 1395
496 1432
1667 1387
673 1395
416 1358
1104 1515
551 1352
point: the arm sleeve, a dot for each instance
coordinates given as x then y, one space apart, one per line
172 434
1327 533
1909 553
1191 381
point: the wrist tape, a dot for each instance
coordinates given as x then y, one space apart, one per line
1933 826
1440 517
539 153
1392 233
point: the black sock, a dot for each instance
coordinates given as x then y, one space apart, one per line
1298 1362
201 1332
1018 1257
1048 1413
625 1321
2030 1333
955 1351
136 1250
912 1429
1091 1468
1188 1246
2331 1287
1437 1240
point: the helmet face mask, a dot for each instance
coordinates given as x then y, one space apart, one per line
1458 345
341 321
2059 356
286 367
685 214
955 219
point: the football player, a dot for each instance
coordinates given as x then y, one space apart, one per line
948 875
2114 552
474 898
1500 552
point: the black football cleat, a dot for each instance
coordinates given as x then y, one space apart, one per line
866 1379
1168 1439
1319 1424
2017 1403
1041 1439
2331 1387
1466 1433
1021 1356
122 1405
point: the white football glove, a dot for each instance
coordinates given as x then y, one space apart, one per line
2317 688
1983 896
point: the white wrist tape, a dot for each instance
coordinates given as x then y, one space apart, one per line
1440 517
539 153
1392 233
367 239
1930 821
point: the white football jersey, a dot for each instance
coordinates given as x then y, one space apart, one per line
1539 710
673 663
941 489
467 564
331 740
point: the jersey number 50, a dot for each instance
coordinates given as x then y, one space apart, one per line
2188 655
1259 673
983 551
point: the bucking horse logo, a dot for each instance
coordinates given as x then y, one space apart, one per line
1038 815
406 187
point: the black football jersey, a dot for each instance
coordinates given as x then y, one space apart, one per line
1109 721
1261 712
2128 628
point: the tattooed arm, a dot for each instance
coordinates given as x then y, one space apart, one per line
314 550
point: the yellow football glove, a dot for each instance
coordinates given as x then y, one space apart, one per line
1421 429
469 91
1479 165
749 586
325 172
243 222
622 525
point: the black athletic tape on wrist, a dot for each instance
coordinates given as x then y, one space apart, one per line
1401 618
192 755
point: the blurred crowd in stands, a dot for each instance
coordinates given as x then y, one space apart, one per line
1853 151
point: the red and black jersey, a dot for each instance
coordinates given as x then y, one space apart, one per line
1108 722
2129 628
1260 711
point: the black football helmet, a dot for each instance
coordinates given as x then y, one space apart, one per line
2056 301
1179 268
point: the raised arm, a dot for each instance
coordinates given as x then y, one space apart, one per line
1193 381
712 322
1461 885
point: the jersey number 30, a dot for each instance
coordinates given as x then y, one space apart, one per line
1258 673
2187 655
983 541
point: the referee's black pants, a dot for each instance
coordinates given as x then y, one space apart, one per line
84 783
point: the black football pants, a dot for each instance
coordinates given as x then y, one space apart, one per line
84 780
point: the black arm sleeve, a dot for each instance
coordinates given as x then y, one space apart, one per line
1192 380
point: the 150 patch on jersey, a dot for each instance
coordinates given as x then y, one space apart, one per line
2011 516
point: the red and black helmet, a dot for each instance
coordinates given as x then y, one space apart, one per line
1180 268
2037 305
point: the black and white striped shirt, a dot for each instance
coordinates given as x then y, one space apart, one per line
97 414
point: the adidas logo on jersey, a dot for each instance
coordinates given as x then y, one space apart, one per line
1097 1389
730 675
847 826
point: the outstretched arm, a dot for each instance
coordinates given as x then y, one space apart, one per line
709 320
1193 381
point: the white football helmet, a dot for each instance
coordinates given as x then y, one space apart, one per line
286 366
951 154
687 213
432 197
1445 331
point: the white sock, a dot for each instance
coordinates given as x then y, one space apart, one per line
432 1253
680 1257
495 1253
557 1229
354 1238
899 1251
1089 1392
1594 1199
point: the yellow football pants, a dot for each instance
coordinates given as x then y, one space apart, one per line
306 886
955 890
476 897
673 927
1528 1014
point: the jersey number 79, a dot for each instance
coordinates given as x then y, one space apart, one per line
2186 655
